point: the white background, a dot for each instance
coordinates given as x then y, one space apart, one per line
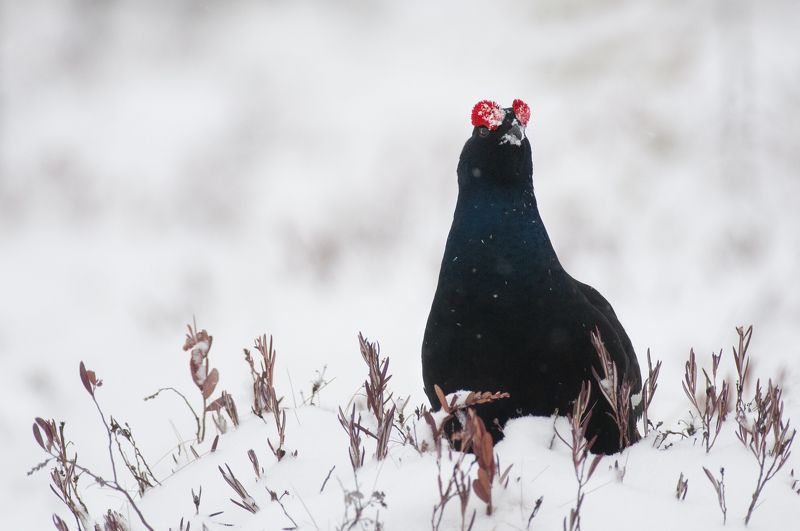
289 168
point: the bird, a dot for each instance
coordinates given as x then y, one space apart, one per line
506 316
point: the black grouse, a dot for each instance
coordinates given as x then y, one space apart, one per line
506 316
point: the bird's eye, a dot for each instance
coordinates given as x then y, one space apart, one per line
483 131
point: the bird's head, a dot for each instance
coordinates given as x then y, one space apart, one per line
498 152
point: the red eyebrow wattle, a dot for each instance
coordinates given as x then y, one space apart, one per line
488 114
522 111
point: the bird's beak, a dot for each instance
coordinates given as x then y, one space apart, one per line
517 132
514 135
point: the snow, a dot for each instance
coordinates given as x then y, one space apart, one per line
636 399
255 165
512 139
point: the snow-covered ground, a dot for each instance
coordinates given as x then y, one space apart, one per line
289 168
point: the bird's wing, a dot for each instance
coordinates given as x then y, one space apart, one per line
604 307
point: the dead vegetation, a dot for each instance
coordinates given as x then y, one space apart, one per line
468 467
580 448
617 391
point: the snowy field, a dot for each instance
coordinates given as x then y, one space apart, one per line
289 168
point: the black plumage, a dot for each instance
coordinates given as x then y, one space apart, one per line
506 316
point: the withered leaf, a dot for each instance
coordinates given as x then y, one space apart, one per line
48 430
217 404
480 491
441 397
85 379
38 436
487 450
210 384
595 462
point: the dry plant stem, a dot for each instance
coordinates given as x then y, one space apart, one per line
714 410
353 428
64 478
379 377
681 488
355 499
274 497
580 447
454 406
269 398
616 393
196 418
326 479
247 502
475 437
719 487
742 362
458 484
139 474
254 461
536 506
268 357
462 484
62 458
196 500
649 390
770 455
384 432
60 524
375 389
199 344
91 383
112 521
224 402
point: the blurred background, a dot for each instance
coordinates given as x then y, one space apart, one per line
289 168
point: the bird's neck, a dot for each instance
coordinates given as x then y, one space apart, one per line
502 222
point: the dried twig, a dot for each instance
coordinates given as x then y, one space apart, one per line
768 437
714 410
60 524
185 400
326 479
137 466
459 403
64 476
476 438
245 501
580 447
318 384
649 390
719 487
379 377
378 398
274 497
742 362
196 499
353 429
113 521
225 403
681 488
359 503
536 506
616 393
267 398
198 343
251 454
